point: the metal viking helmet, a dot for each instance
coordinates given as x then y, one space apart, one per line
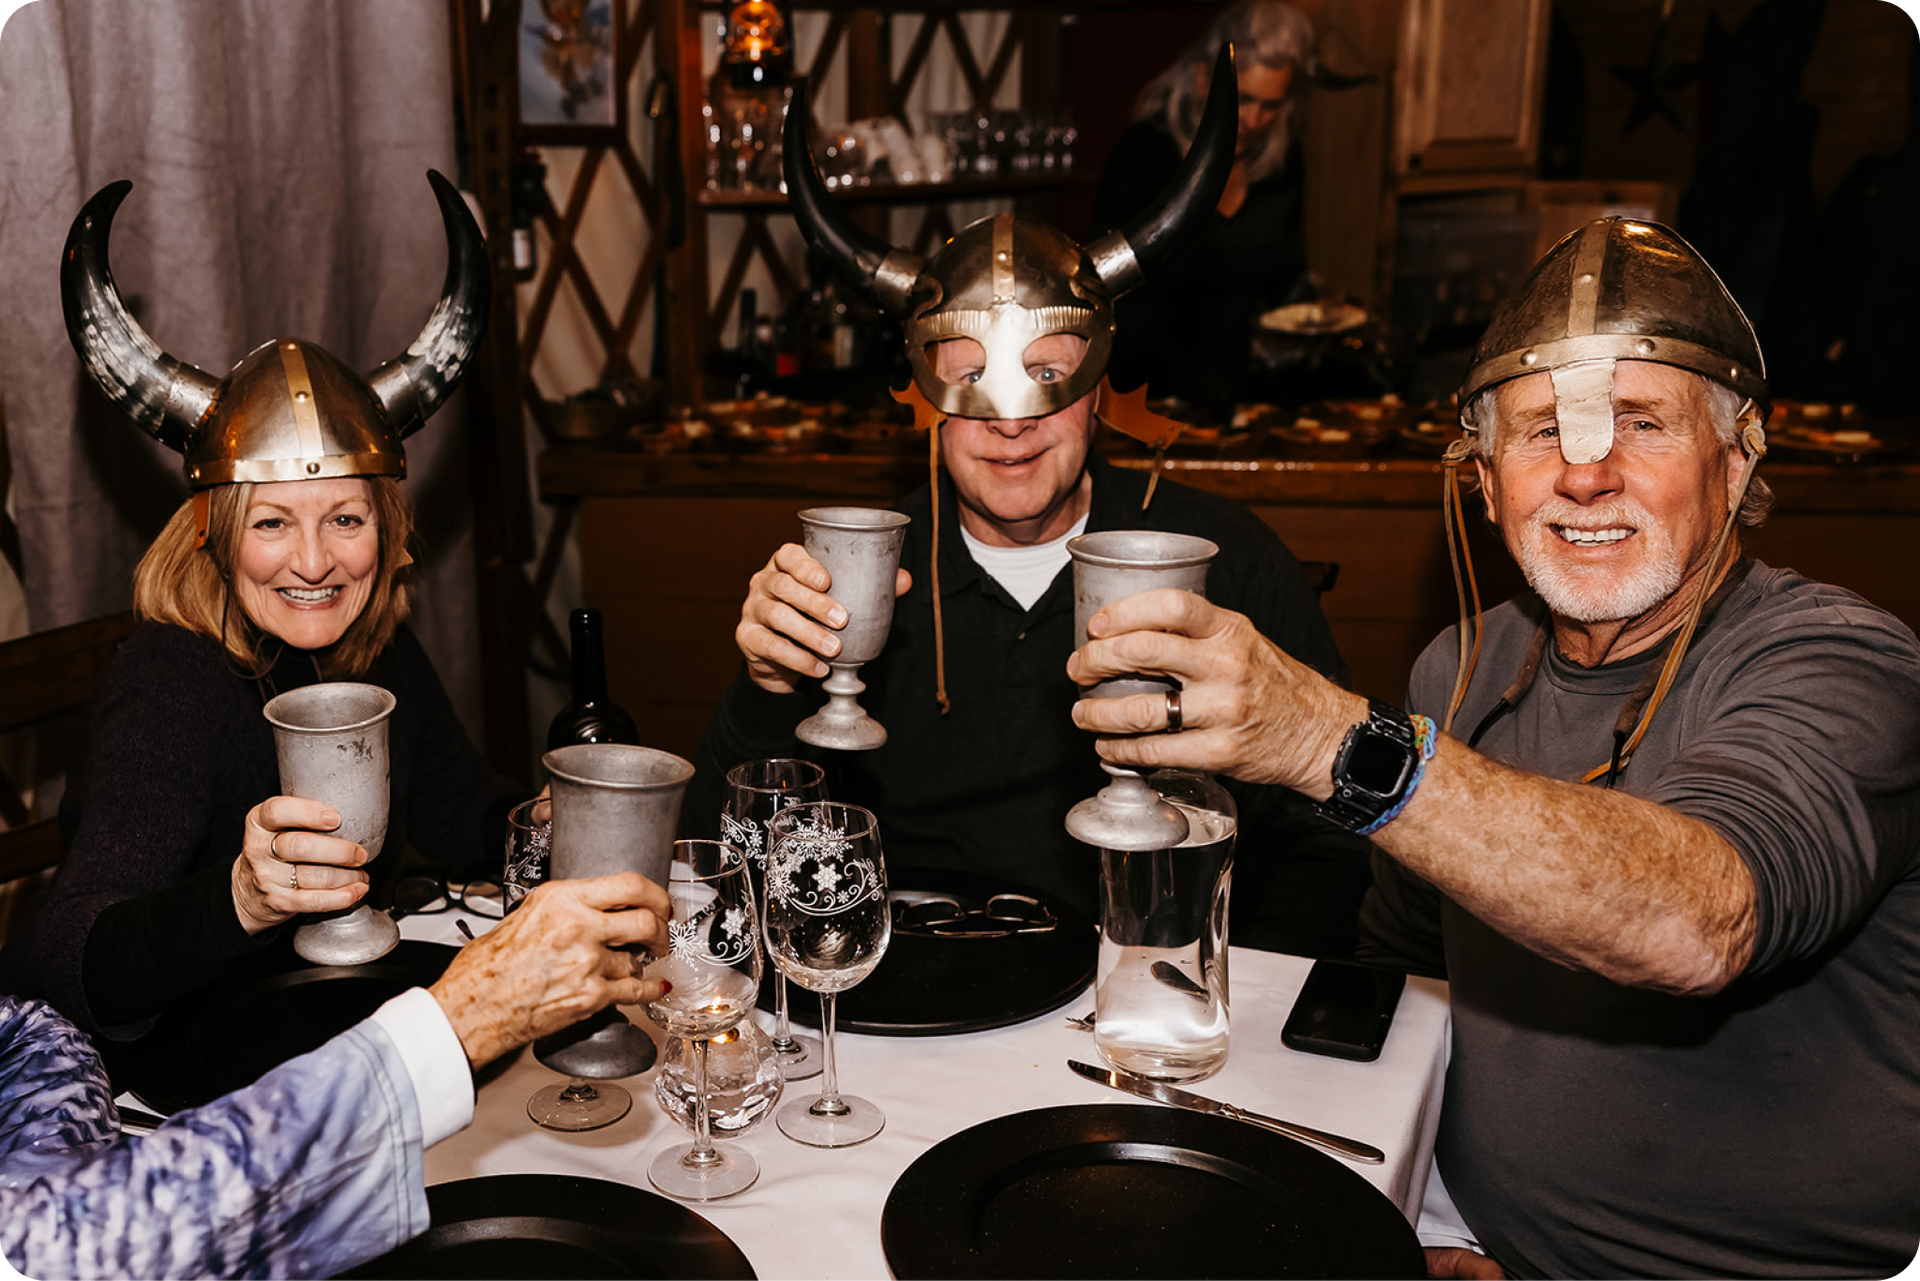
289 410
1007 280
1617 289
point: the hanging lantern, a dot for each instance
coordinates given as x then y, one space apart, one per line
757 36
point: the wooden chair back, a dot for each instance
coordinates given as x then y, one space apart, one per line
44 678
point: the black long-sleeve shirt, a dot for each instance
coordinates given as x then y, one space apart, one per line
986 788
141 911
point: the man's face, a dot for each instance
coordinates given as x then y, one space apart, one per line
1020 480
1611 541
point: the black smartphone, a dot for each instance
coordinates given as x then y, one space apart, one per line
1344 1009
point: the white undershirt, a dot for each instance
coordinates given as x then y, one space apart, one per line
1026 572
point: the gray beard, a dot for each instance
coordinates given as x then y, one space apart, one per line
1591 599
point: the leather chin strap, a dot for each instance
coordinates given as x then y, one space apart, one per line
1628 730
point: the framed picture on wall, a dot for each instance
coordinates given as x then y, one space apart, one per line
569 61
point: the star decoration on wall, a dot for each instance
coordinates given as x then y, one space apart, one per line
1658 83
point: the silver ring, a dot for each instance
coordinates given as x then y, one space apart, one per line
293 877
1173 711
273 845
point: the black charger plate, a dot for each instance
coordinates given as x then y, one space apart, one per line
557 1225
267 1010
932 986
1125 1190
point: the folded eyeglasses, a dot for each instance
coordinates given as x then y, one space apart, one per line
941 916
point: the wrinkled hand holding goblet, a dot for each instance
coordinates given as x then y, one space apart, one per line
616 808
331 739
713 968
828 925
1108 566
860 548
756 792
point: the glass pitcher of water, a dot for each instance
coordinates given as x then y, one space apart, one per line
1160 993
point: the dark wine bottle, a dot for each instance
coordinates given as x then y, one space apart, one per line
591 717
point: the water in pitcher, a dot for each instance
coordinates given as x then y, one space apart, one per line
1161 987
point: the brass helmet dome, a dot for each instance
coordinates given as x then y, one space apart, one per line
289 410
1616 289
1008 280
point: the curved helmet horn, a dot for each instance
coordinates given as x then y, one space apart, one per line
411 386
862 259
167 397
1125 257
289 410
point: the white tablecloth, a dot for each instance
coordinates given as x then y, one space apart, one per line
816 1212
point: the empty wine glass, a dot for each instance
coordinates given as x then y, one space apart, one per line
827 928
713 966
756 791
529 858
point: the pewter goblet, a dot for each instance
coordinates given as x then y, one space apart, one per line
860 547
331 739
1108 566
616 808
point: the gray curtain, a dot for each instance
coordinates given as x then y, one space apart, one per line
278 152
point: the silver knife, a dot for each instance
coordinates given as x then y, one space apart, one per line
1140 1085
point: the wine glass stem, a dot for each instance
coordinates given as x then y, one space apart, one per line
829 1102
782 1030
703 1153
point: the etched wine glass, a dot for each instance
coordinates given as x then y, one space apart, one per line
827 926
756 791
713 966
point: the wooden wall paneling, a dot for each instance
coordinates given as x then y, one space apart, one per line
486 78
1471 75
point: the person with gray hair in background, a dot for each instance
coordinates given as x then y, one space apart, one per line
1186 332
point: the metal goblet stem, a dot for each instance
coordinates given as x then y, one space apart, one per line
616 808
860 548
1108 566
331 740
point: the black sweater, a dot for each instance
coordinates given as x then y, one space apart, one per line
141 911
986 788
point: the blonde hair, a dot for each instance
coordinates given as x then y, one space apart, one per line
187 585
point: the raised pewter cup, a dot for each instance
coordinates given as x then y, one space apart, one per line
1108 566
331 739
860 547
616 808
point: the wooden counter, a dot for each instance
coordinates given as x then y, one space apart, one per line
668 542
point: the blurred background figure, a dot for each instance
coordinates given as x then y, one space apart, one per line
1185 333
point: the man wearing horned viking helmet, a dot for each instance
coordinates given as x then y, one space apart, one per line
1657 821
286 566
1009 328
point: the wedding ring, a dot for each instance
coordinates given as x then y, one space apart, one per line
1173 711
273 845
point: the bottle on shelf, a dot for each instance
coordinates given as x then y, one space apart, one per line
591 717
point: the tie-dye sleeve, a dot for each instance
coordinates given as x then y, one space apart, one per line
314 1168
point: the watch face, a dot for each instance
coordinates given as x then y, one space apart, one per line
1378 765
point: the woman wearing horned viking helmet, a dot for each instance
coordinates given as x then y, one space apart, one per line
287 566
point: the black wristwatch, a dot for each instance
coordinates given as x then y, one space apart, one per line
1373 769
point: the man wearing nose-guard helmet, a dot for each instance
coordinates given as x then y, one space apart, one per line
1658 821
1009 327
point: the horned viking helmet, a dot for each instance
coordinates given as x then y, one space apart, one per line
1617 289
289 410
1008 280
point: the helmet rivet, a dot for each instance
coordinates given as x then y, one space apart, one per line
1645 346
300 397
1530 358
293 346
313 469
1586 277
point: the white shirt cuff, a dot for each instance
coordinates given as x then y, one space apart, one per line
436 1063
1440 1222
